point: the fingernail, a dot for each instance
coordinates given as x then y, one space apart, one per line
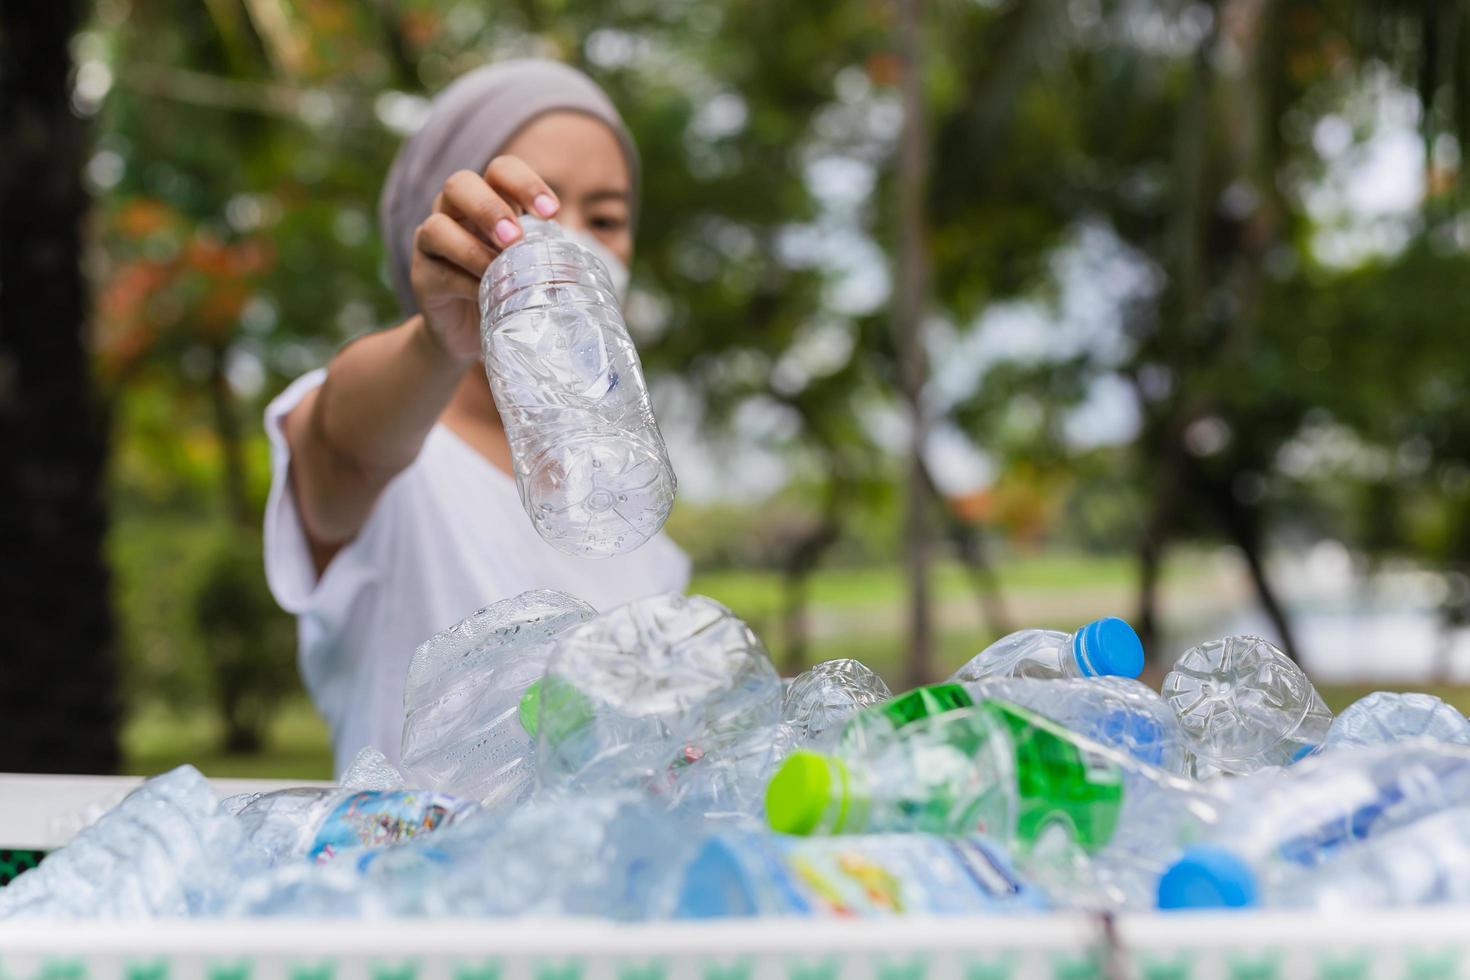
506 231
545 205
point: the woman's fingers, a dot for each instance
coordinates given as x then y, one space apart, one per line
442 237
468 197
514 180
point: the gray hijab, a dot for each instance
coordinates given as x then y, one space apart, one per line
468 124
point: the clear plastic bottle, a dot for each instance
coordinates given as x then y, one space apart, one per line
1424 863
166 850
1315 813
1101 648
995 769
591 466
319 824
673 695
878 875
616 856
819 701
1385 717
462 729
1115 711
1244 705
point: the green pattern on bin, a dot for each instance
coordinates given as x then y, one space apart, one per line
324 970
1433 966
807 970
396 971
1087 966
1000 968
913 969
238 970
738 970
1178 968
62 970
1266 967
16 861
643 971
570 970
1353 967
489 970
147 970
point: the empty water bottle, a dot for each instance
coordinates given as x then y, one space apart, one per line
1424 863
1244 705
318 823
462 730
1116 711
1104 647
749 874
869 728
1384 717
671 694
613 856
1314 813
819 701
591 466
166 850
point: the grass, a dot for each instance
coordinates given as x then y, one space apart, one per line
297 745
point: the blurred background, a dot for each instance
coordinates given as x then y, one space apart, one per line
960 316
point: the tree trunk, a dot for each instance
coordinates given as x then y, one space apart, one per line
59 705
969 547
227 430
911 287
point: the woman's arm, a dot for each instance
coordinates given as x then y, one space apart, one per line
383 393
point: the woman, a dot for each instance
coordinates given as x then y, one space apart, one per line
393 511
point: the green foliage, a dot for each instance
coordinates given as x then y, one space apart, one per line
248 641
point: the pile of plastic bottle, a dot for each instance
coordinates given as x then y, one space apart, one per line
649 763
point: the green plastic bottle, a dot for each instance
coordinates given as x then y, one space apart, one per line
867 729
994 769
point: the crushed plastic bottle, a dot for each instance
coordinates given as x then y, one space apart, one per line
819 701
1101 648
1244 705
462 729
1115 711
592 469
750 874
615 856
1384 717
671 695
1313 814
166 850
318 823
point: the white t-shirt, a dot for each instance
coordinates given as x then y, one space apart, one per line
447 537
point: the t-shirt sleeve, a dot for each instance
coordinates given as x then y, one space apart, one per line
289 569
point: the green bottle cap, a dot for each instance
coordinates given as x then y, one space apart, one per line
529 712
801 793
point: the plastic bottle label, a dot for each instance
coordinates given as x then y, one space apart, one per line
375 818
877 876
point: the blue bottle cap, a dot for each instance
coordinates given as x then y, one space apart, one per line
1108 647
1208 877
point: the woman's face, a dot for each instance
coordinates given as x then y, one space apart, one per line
579 157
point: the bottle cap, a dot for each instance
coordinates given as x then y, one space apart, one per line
1208 877
802 791
1108 647
529 711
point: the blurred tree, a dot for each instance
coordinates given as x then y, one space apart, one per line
59 707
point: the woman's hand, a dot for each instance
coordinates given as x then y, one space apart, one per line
474 218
